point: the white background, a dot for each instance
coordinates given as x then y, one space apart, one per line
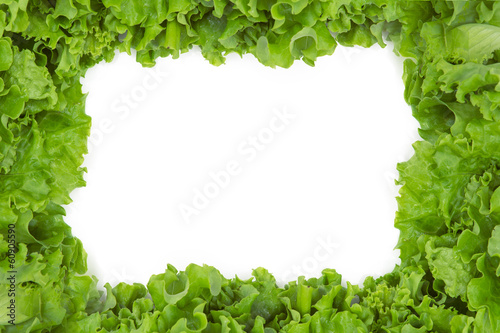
319 193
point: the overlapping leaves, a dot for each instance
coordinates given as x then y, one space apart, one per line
449 208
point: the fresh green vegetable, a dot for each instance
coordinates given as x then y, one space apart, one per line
449 204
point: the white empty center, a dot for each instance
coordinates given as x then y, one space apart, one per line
242 166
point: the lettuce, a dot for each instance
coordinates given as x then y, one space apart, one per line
448 208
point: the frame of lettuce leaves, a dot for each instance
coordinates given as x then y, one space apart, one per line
449 208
